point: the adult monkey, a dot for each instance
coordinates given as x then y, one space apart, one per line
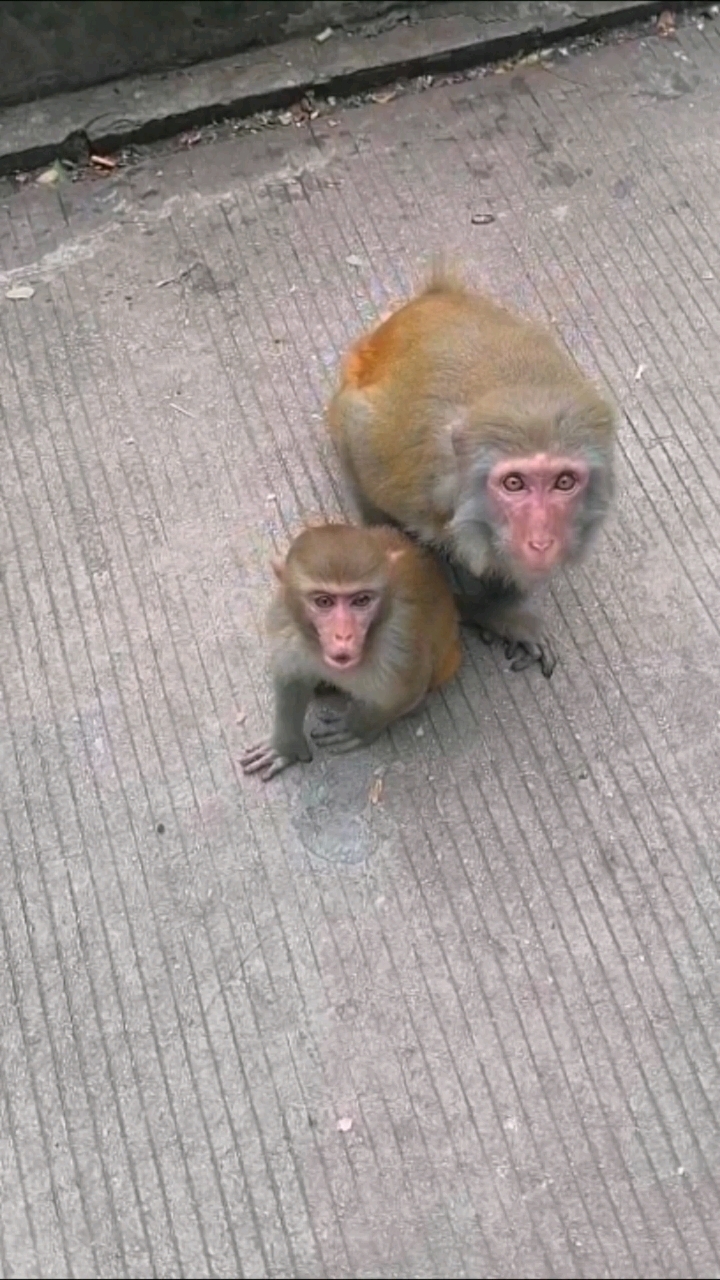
468 427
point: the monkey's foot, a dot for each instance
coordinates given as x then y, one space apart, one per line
334 732
342 739
265 760
330 717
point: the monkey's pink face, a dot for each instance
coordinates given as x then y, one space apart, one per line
341 620
535 500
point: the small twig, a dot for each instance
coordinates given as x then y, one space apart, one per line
180 409
180 276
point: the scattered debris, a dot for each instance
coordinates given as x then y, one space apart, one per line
18 292
353 260
420 733
344 1124
50 176
104 162
77 160
482 219
241 717
640 371
376 791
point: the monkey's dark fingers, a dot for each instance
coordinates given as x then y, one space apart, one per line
523 653
347 743
264 759
487 637
255 757
277 766
331 733
339 737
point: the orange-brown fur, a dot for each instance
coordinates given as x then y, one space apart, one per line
431 405
450 352
411 646
422 614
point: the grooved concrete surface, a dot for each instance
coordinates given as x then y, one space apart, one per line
448 1007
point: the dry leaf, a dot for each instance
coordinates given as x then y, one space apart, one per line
382 98
18 292
104 162
322 36
376 790
49 177
666 24
344 1124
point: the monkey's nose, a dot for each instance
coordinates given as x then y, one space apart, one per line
543 542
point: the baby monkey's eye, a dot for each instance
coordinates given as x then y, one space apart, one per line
362 599
566 482
513 483
323 602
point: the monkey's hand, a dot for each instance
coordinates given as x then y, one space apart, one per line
269 761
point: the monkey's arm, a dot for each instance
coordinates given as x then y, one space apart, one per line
288 744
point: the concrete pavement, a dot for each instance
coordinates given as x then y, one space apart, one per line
450 1006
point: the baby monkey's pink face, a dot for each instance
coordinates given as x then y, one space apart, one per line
341 618
535 501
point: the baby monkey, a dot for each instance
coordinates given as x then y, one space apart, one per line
366 611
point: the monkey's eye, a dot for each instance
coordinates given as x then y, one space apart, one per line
566 482
362 600
323 601
513 483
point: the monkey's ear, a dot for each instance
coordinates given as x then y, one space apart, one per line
278 567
